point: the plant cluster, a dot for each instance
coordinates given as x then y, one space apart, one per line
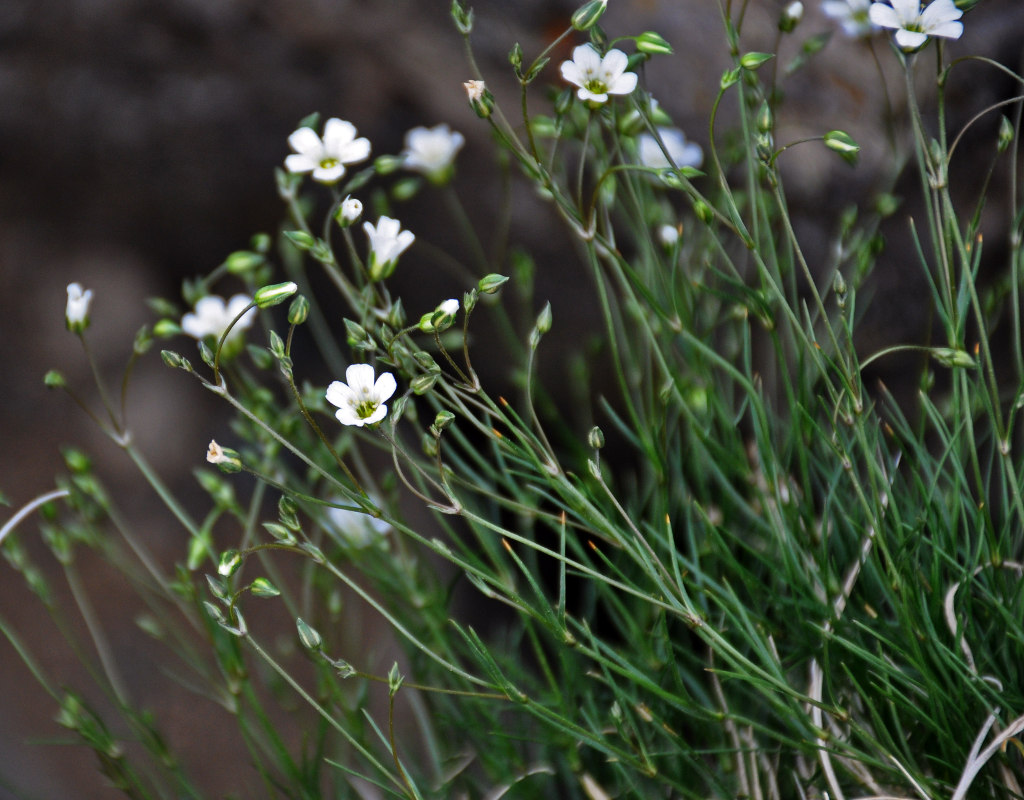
786 583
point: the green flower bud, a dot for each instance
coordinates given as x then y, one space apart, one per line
385 165
586 16
298 311
653 44
441 422
242 261
950 357
300 239
261 242
308 635
166 329
842 143
422 384
596 438
229 562
54 380
751 61
274 294
261 587
1005 133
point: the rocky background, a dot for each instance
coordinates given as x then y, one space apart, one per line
137 143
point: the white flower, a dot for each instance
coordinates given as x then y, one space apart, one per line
387 242
358 529
913 26
351 210
76 314
361 400
598 77
852 15
326 158
212 317
668 235
681 153
215 454
223 457
432 151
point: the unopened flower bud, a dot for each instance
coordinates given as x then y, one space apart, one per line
76 314
349 211
166 329
308 635
229 562
1005 134
950 357
300 239
653 44
242 261
298 311
440 318
751 61
490 284
586 16
596 438
842 143
441 421
274 294
54 380
791 16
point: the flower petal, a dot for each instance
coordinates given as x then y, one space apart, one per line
910 40
337 134
384 387
298 162
949 30
884 16
358 150
586 58
623 84
907 10
305 141
339 394
359 377
614 64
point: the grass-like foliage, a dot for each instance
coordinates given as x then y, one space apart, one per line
788 582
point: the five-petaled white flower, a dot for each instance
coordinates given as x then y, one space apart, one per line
212 317
913 25
387 242
681 152
326 158
598 77
76 313
432 151
361 400
852 15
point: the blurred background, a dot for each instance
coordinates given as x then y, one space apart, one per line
137 144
